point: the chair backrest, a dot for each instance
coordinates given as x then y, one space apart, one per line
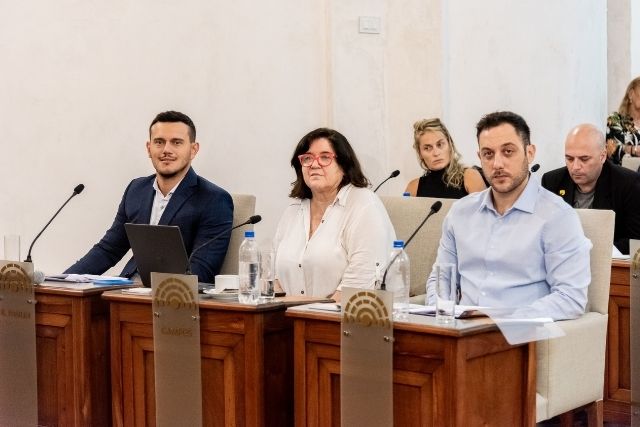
598 227
244 206
632 163
406 213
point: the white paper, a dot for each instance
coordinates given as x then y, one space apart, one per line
81 278
460 311
535 320
521 325
137 291
325 306
68 285
616 254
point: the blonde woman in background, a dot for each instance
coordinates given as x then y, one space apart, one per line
444 175
623 126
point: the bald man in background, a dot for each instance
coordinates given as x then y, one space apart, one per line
590 181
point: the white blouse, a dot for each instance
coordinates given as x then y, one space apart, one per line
354 235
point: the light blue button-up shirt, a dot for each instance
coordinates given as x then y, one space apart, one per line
534 257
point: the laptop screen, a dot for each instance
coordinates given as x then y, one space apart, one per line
158 248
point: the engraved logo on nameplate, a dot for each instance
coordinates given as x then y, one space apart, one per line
14 278
367 309
174 293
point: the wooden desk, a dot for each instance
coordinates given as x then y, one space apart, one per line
457 376
72 342
247 357
617 381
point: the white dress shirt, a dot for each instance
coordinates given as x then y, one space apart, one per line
160 202
354 234
535 257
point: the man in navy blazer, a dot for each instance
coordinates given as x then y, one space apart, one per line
590 181
175 195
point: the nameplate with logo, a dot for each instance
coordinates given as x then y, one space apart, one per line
176 343
366 357
18 369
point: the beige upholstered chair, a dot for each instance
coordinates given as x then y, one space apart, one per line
570 369
406 214
244 206
632 163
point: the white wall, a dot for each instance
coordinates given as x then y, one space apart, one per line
619 46
381 83
545 60
634 50
623 42
82 80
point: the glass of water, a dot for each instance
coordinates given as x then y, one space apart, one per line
267 273
446 292
12 247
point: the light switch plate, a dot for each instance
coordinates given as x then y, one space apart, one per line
370 24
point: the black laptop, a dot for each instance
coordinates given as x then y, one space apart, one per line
158 248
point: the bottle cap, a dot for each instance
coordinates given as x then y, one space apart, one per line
250 233
398 243
406 194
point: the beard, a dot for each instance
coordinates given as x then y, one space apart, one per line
516 180
171 173
167 175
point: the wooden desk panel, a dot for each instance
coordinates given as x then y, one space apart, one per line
247 360
617 384
72 343
441 376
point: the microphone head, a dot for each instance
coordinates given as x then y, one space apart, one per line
255 219
535 168
395 173
435 207
78 189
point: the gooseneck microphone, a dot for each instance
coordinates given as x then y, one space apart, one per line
435 207
393 175
252 220
76 191
535 168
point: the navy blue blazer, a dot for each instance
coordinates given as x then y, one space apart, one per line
201 210
617 189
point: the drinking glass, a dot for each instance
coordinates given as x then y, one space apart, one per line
12 247
445 275
267 273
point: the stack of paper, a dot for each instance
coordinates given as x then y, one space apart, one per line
89 278
462 311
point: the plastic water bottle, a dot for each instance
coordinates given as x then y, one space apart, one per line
397 280
249 270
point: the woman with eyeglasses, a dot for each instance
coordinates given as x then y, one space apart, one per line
336 230
444 175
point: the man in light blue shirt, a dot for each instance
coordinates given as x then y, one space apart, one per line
515 244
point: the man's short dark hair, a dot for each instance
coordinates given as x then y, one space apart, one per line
175 117
501 117
345 156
